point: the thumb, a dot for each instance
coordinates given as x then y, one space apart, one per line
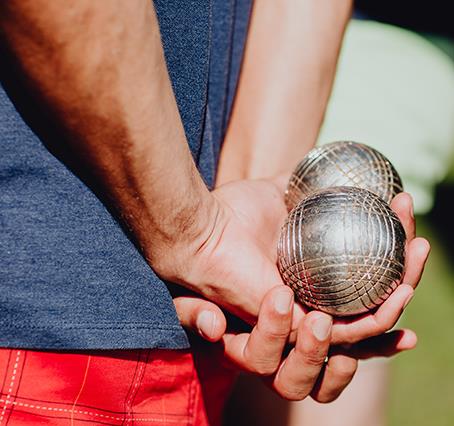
201 317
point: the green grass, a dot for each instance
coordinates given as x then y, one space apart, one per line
422 391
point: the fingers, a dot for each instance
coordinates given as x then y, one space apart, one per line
298 374
261 351
201 317
402 204
343 361
385 345
417 248
417 252
337 374
369 325
386 316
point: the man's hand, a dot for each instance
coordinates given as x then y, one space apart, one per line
125 134
352 330
304 371
285 104
236 266
263 351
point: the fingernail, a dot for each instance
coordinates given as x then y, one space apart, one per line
408 300
206 323
322 327
283 302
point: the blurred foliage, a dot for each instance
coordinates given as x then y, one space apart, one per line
422 390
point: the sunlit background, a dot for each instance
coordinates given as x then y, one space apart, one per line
394 90
422 381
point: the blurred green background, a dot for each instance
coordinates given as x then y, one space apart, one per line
422 380
394 90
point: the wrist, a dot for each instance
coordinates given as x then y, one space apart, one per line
176 242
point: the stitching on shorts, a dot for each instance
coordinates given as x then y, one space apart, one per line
192 396
5 373
83 407
84 381
133 379
20 375
145 365
134 390
11 385
86 413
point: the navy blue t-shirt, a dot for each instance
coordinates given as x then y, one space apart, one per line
69 276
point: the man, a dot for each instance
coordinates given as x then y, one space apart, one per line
129 97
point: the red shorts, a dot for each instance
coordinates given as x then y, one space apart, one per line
135 387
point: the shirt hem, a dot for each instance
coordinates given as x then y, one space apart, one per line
79 336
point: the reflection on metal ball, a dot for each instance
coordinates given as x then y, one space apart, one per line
343 164
342 251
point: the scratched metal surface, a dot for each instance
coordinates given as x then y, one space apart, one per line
342 251
343 163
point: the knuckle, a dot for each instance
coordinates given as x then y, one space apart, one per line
351 339
263 367
345 337
345 368
261 363
388 323
277 334
314 358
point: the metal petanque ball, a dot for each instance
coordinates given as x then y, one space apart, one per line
342 251
343 164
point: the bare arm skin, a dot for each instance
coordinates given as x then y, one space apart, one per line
286 78
107 89
100 72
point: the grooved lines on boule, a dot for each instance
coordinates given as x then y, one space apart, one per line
342 250
343 164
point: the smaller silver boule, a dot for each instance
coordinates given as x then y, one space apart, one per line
342 251
343 163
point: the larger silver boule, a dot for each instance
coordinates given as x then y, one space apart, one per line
343 164
342 251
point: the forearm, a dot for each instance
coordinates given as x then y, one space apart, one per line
98 69
286 79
